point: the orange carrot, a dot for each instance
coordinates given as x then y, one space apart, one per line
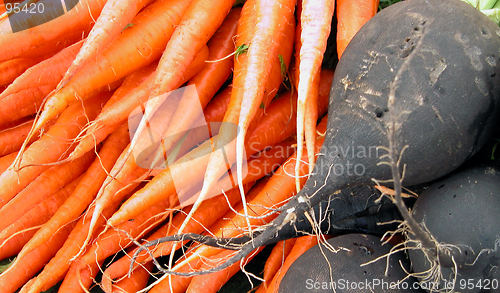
316 17
302 244
57 140
275 260
6 161
11 139
11 69
207 82
271 22
15 236
115 114
29 89
350 18
44 185
14 277
58 266
114 18
137 281
213 282
135 47
198 25
112 241
85 191
80 277
30 39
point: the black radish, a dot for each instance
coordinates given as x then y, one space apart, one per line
462 213
349 264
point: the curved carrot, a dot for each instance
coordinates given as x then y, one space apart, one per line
11 69
275 260
44 185
351 16
16 276
29 89
15 236
6 161
302 244
137 280
11 139
315 19
51 36
114 17
213 282
127 53
57 140
58 266
85 191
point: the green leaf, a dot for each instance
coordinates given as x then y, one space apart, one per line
242 49
128 25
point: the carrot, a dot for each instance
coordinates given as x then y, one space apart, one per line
85 191
137 280
25 95
112 241
213 282
57 140
26 39
15 236
11 69
275 260
44 185
350 18
208 81
270 23
6 161
118 112
198 25
302 244
58 266
16 276
315 19
273 128
114 17
127 53
80 277
11 139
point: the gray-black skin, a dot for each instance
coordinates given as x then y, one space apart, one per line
320 270
464 210
446 101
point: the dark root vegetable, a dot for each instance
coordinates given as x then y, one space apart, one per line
352 267
439 61
462 214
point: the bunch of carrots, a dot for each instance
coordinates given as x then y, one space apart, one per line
124 121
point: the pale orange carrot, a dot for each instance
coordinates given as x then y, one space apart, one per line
315 19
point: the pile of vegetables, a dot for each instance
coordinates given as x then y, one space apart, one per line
160 145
